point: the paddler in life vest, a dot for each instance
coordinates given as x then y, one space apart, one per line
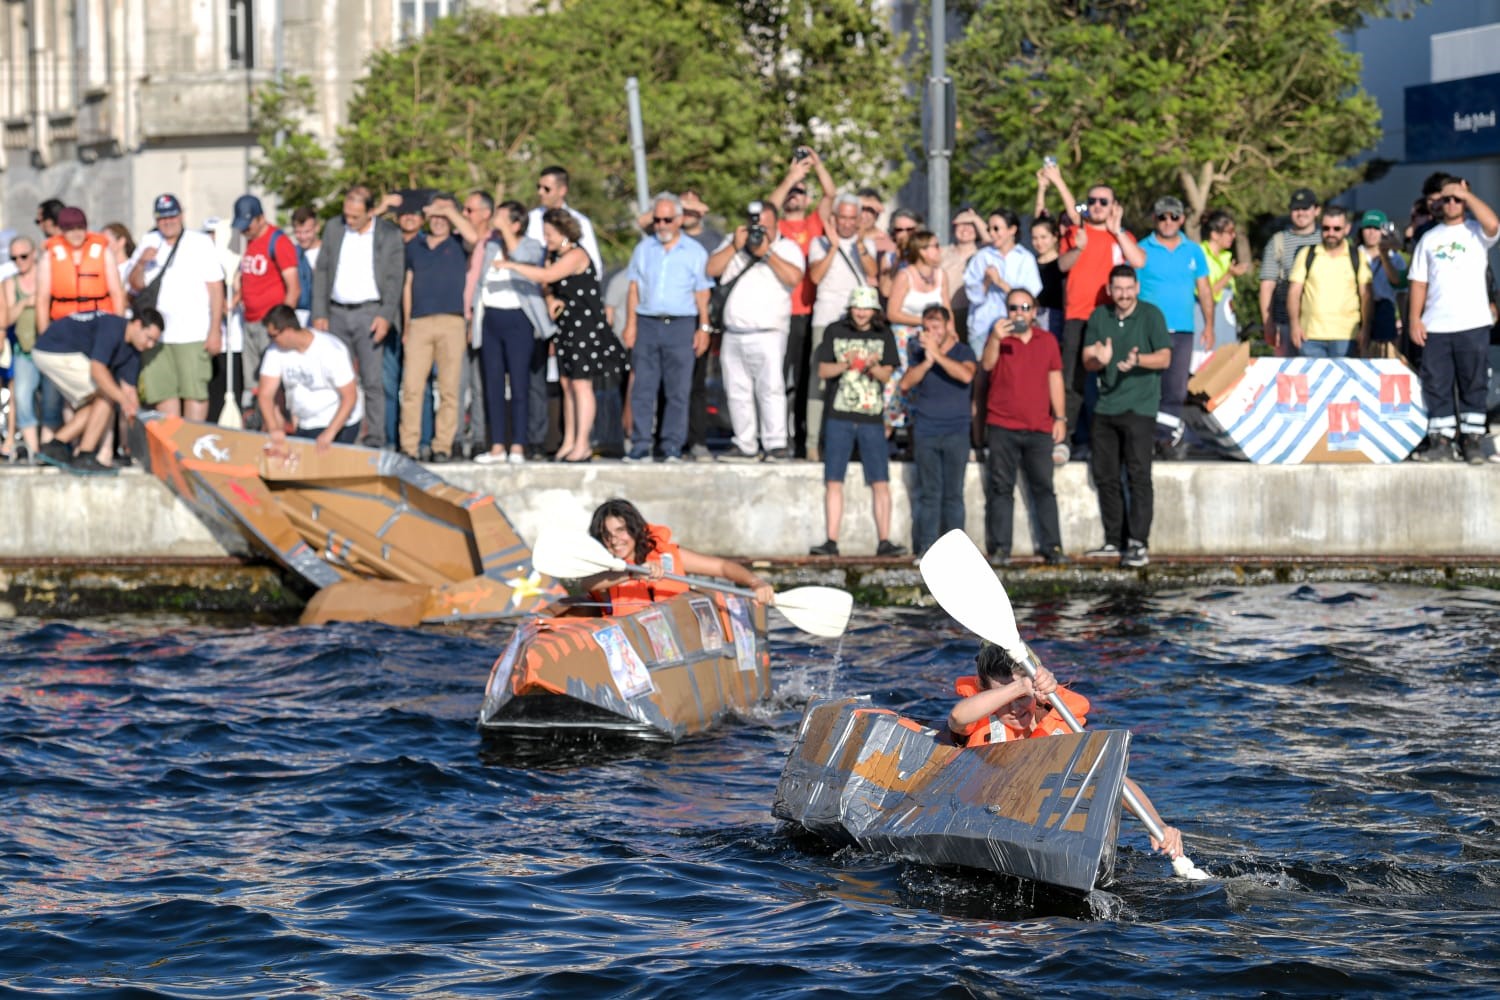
621 529
1001 704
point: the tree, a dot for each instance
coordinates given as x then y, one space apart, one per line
292 163
1230 103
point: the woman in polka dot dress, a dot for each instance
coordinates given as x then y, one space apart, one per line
587 349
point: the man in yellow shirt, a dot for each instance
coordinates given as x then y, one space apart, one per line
1329 301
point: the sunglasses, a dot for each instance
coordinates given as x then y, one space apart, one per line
904 229
20 256
660 221
1333 229
1020 306
996 229
1449 199
1099 201
1174 216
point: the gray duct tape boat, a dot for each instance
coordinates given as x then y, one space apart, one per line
1043 809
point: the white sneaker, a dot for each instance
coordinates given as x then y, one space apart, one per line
1060 454
489 458
517 458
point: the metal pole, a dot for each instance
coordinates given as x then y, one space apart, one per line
279 48
939 153
638 144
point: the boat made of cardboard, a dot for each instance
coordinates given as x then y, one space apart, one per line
665 672
383 538
1043 809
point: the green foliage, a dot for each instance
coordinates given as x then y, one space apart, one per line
292 163
1226 103
727 90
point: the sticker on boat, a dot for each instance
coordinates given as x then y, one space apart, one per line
209 446
744 632
709 629
625 665
664 647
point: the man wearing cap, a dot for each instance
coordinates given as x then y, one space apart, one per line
837 265
1379 244
1276 269
1174 280
1329 302
190 297
268 277
357 285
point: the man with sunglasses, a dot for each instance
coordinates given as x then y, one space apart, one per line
1450 321
1276 269
1175 280
1330 304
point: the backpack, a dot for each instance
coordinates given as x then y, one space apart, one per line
304 269
1353 262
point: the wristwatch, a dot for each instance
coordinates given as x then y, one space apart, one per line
705 328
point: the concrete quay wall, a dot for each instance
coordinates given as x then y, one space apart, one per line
1203 509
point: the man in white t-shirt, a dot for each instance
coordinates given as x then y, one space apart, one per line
1451 320
322 392
757 321
836 265
176 373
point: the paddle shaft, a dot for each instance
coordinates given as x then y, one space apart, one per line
693 581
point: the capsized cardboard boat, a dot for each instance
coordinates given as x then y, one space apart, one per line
380 536
1044 809
665 672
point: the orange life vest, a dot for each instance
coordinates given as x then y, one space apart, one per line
78 279
1051 724
638 592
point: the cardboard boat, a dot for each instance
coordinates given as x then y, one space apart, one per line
663 673
380 536
1045 809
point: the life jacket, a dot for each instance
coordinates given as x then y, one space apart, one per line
1050 724
639 592
78 281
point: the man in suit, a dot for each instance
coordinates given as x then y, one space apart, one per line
357 285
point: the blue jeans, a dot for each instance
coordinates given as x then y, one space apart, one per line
1326 348
941 462
23 386
662 359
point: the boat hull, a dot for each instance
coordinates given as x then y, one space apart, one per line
663 673
1044 809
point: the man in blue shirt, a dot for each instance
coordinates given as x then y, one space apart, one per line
666 327
1175 280
436 328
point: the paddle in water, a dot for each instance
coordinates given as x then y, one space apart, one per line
966 587
822 611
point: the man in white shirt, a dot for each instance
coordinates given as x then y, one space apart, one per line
321 391
190 296
757 320
1451 320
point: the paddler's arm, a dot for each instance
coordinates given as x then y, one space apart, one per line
989 701
1171 844
728 569
600 583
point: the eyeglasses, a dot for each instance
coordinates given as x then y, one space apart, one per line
1020 307
904 229
997 228
662 221
1174 216
1098 201
1450 199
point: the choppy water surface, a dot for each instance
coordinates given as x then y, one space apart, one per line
196 811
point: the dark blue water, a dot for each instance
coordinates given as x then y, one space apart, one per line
195 810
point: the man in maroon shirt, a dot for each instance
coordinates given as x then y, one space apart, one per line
1025 417
268 278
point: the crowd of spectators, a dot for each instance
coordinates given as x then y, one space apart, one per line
454 328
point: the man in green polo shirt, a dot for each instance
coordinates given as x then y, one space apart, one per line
1127 343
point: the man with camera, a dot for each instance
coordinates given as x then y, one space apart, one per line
760 271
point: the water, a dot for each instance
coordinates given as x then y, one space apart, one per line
194 810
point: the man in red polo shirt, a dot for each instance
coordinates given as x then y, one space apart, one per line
268 278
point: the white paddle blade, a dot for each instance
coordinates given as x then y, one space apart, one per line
823 611
966 587
1184 867
569 555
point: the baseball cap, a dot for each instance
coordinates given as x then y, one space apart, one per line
1168 204
246 208
72 218
1303 198
864 297
1373 219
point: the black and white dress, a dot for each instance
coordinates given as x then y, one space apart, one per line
586 346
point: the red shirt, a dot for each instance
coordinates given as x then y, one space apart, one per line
262 286
1019 399
802 232
1088 281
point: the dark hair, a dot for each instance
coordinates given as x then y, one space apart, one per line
905 213
1048 223
1435 182
362 192
1337 210
916 243
1217 221
869 192
996 665
281 317
562 220
555 171
118 229
1011 218
635 526
50 208
1122 271
150 317
937 309
303 214
1024 291
512 209
484 198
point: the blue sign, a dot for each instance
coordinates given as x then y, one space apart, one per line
1456 120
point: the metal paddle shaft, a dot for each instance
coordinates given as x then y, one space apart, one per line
695 581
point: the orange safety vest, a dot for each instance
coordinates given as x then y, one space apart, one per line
639 592
1050 724
78 281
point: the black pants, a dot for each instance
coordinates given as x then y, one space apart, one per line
1123 439
1029 454
698 403
1456 365
1073 372
1174 385
798 372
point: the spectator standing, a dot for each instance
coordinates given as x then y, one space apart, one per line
937 381
920 283
1045 240
1450 321
1276 269
856 356
1127 343
434 328
269 277
1097 245
802 226
695 226
757 313
1379 243
968 228
123 245
904 224
993 271
47 215
18 316
1329 300
837 265
357 283
175 374
1025 417
1174 278
1218 248
510 323
666 328
322 393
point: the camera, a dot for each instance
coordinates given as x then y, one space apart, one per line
1049 161
801 153
1019 326
755 233
1388 230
